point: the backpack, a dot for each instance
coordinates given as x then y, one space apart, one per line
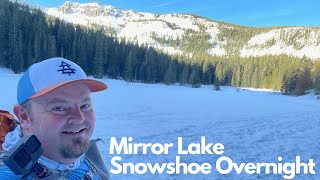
7 123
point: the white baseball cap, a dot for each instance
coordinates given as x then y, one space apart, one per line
47 75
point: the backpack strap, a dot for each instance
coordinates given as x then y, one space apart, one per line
94 158
56 175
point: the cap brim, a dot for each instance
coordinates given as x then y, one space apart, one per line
93 85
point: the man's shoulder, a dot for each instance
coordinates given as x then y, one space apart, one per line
6 173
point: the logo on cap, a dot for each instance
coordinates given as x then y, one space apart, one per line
66 69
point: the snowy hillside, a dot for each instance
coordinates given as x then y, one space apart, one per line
254 126
168 32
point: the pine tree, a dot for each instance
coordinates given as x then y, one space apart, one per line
15 44
184 76
129 69
304 82
151 65
98 58
207 71
52 49
170 75
194 79
3 35
289 82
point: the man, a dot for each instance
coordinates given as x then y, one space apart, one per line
54 104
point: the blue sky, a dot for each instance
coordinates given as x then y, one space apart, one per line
241 12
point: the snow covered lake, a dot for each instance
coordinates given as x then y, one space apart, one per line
253 125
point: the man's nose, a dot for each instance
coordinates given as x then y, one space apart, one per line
77 115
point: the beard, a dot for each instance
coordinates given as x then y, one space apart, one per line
78 147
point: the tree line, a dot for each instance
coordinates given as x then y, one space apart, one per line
28 36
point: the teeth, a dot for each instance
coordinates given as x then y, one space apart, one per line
73 131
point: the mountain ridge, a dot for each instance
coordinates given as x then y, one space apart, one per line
169 32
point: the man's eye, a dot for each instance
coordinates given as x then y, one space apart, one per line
85 106
59 108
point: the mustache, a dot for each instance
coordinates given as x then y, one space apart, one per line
75 126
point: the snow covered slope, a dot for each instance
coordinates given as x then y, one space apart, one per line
168 32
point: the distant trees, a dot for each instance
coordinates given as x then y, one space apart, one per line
316 77
194 79
28 36
170 74
289 82
304 82
184 75
99 57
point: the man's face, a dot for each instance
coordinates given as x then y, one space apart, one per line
63 120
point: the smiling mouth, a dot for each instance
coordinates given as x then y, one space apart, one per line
73 131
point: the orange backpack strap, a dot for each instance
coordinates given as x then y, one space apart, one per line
6 124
